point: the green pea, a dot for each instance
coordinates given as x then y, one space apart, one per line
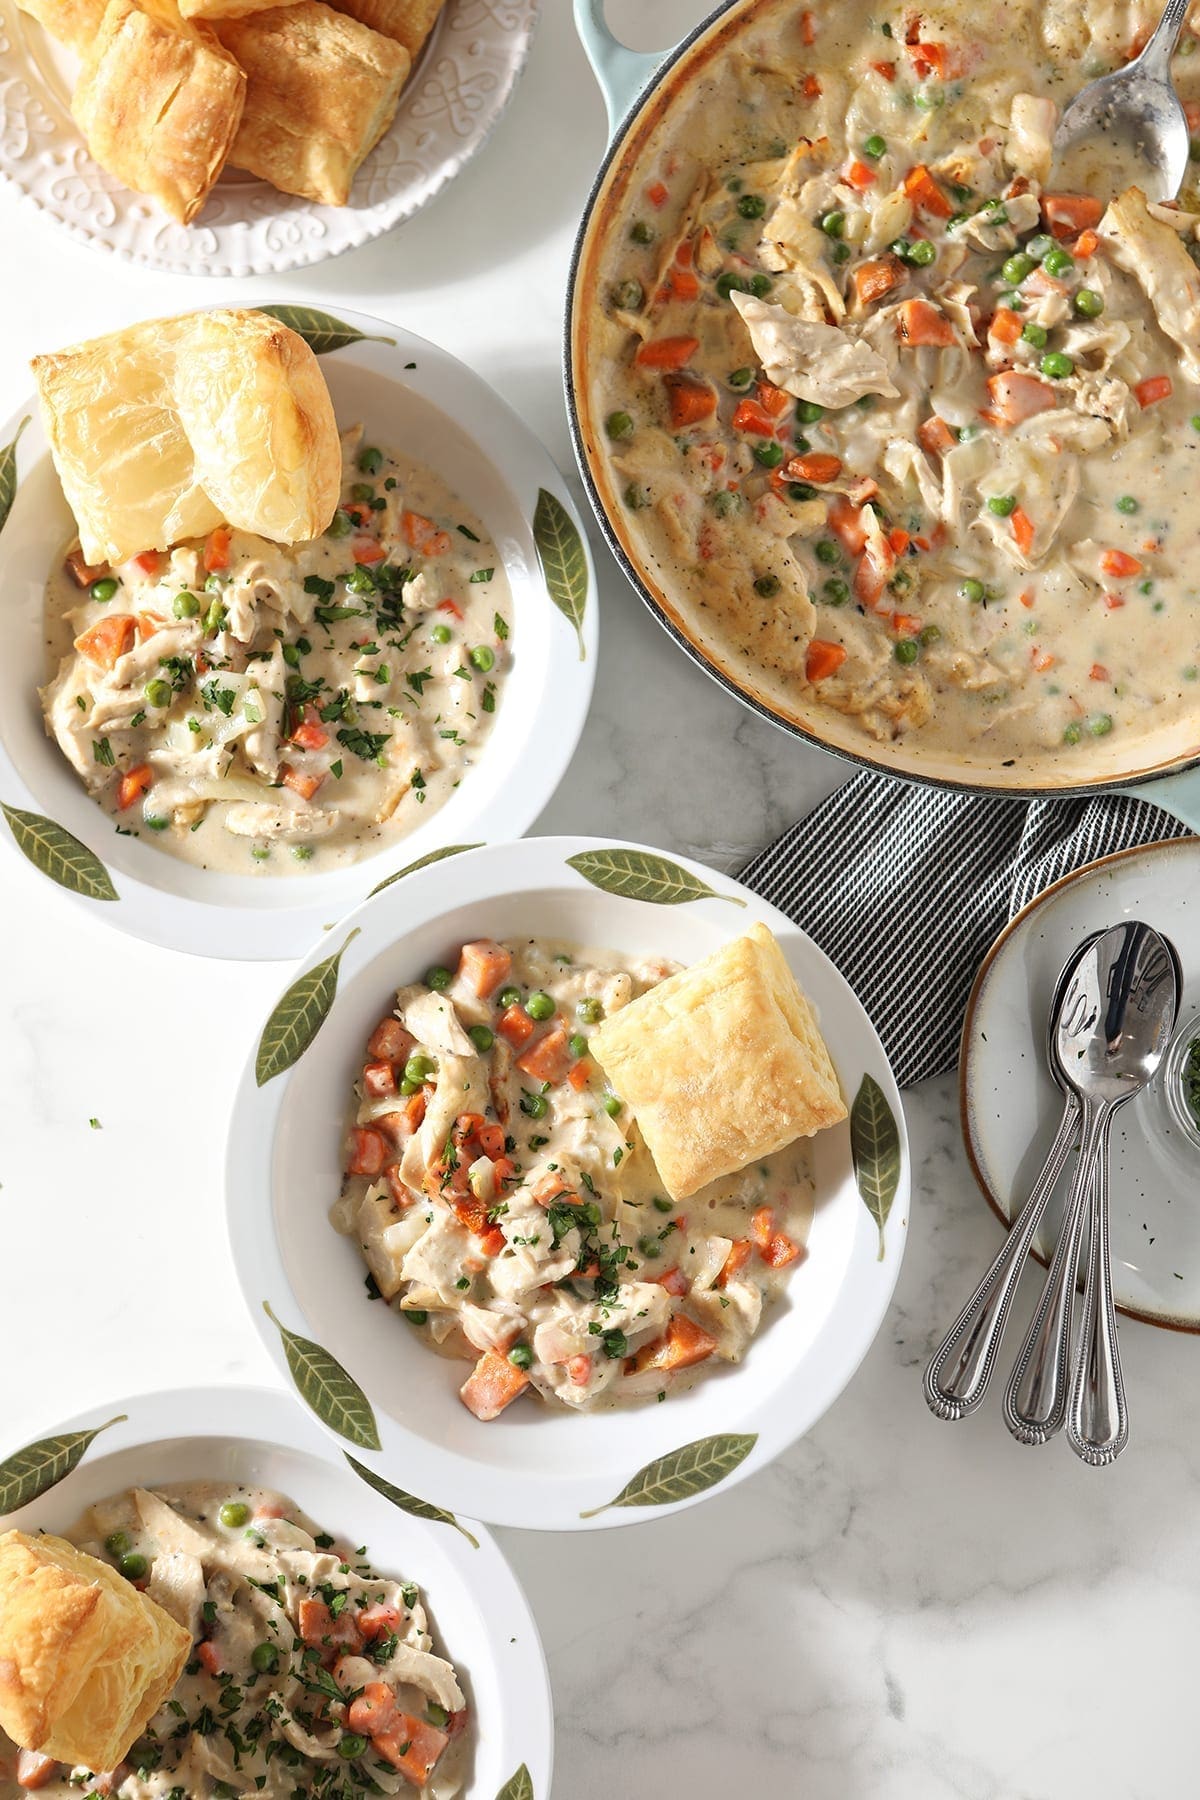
590 1010
419 1067
752 206
360 580
1127 504
482 1037
971 590
408 1088
614 1343
649 1248
539 1005
119 1544
1037 335
1100 724
214 583
214 618
907 650
234 1513
637 496
801 490
1039 245
809 411
826 551
1072 734
875 147
1057 365
437 1715
483 658
729 283
363 492
900 247
438 978
836 591
767 586
1002 505
803 445
185 606
612 1105
291 655
760 286
930 635
590 1212
416 1315
724 502
740 379
768 453
841 253
441 634
341 525
1194 421
577 1044
264 1659
833 224
629 295
104 589
1058 262
509 996
370 461
158 693
922 253
133 1565
1015 268
153 823
1088 302
521 1356
619 425
641 233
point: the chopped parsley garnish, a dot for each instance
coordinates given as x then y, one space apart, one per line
468 534
314 584
418 678
102 752
500 627
221 698
368 745
178 670
482 574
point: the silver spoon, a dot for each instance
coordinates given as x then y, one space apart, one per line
960 1370
1128 127
1130 985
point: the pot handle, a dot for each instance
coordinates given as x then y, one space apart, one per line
621 72
1178 794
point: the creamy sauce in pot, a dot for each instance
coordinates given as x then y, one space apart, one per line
505 1204
907 434
261 708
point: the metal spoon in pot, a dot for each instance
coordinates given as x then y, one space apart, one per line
1128 128
958 1375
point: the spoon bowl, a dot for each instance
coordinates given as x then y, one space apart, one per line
1118 1014
1128 129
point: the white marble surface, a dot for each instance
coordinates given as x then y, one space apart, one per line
897 1610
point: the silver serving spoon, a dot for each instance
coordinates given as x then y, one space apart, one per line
1128 128
1130 986
960 1370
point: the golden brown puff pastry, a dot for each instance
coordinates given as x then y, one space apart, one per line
222 9
407 22
322 92
721 1064
72 22
159 102
85 1660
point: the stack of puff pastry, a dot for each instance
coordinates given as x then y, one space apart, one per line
170 91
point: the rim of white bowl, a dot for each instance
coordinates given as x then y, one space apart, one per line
271 919
533 1496
267 1419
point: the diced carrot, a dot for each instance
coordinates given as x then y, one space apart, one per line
1042 660
808 29
83 574
905 624
925 193
678 284
389 1042
133 783
658 193
368 1151
932 59
1069 214
150 561
872 280
483 966
846 523
773 400
209 1657
148 624
107 641
379 1079
1023 530
739 1255
374 1710
1005 327
322 1631
580 1074
886 69
1039 284
1098 672
666 352
935 436
860 175
1113 601
683 1344
553 1186
308 733
216 550
811 87
690 399
379 1620
1086 244
370 550
1119 564
920 322
1026 597
406 1120
780 1251
762 1227
360 513
1154 388
1016 396
410 1746
515 1026
898 540
823 659
33 1769
423 535
492 1385
815 466
300 783
549 1058
579 1369
674 1281
750 415
452 607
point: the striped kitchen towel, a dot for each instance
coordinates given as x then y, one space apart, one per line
905 887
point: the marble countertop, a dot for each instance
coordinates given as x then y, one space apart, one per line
896 1610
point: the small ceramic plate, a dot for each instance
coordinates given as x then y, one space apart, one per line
409 394
371 1379
1010 1105
456 93
478 1613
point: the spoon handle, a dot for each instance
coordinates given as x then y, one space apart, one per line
958 1375
1035 1401
1155 59
1098 1424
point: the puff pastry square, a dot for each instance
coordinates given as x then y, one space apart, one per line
322 91
72 22
721 1064
408 22
85 1660
159 102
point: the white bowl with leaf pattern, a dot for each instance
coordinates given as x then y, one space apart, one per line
258 1437
371 1381
416 397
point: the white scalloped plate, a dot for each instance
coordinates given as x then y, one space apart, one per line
459 88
